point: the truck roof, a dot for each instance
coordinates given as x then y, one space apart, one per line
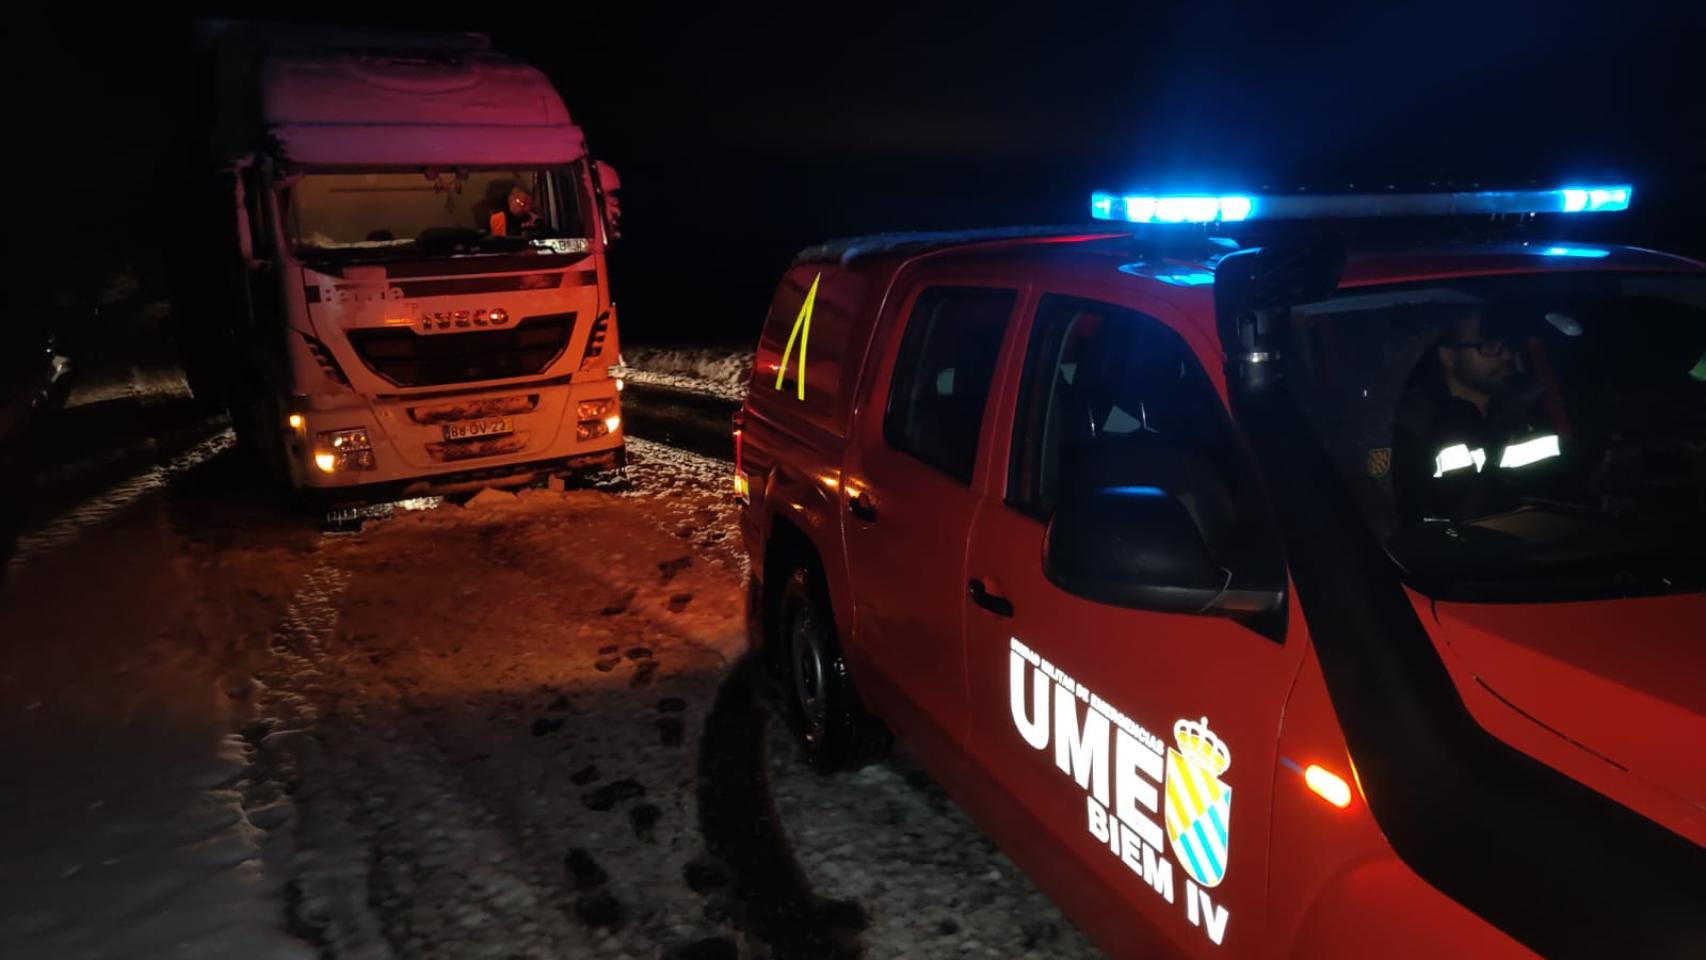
371 98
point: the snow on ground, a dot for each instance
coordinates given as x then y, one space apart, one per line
127 826
718 372
955 897
696 494
137 415
490 713
71 524
958 897
464 731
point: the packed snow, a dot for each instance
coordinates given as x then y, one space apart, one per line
718 372
461 730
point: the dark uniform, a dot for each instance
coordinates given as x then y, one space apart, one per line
1446 456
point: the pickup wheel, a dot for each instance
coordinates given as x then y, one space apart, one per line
834 728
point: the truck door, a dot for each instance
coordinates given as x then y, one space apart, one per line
1138 742
909 494
255 244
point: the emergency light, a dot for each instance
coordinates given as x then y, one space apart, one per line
1216 208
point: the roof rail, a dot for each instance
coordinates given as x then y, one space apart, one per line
847 249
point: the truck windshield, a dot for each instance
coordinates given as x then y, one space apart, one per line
366 214
1528 438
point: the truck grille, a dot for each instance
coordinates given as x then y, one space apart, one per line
410 359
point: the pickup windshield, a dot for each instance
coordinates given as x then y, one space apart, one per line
1535 437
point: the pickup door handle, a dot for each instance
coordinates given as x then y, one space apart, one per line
980 595
861 506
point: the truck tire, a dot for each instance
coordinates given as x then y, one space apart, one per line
246 423
834 729
259 426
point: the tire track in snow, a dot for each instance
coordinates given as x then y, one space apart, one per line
68 526
391 858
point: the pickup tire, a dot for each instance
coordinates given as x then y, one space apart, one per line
835 730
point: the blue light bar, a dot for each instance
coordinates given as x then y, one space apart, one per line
1591 253
1170 209
1207 208
1586 199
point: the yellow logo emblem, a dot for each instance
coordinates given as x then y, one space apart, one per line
1199 805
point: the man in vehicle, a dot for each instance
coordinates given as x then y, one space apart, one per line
1466 402
517 215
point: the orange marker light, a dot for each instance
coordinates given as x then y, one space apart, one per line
296 421
326 462
1328 786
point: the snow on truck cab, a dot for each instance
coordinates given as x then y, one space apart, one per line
395 276
1268 575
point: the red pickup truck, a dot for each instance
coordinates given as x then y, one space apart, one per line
1263 588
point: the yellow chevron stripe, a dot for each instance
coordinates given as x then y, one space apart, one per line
802 332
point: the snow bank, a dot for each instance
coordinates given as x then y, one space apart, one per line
716 372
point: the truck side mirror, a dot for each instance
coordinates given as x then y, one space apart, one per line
609 185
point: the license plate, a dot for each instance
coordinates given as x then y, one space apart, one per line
468 429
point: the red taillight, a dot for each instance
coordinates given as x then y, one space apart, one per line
741 489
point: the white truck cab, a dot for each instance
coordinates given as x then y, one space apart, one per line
396 277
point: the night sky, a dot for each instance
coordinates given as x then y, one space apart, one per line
742 136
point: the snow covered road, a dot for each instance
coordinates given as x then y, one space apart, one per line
463 731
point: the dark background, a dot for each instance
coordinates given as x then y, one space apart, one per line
743 136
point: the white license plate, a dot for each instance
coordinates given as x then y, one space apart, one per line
490 427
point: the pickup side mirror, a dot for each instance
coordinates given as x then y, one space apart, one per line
609 185
1131 547
1140 547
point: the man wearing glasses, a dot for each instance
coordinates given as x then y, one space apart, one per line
1454 423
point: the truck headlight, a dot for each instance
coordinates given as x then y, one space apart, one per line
344 441
336 450
594 409
596 418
